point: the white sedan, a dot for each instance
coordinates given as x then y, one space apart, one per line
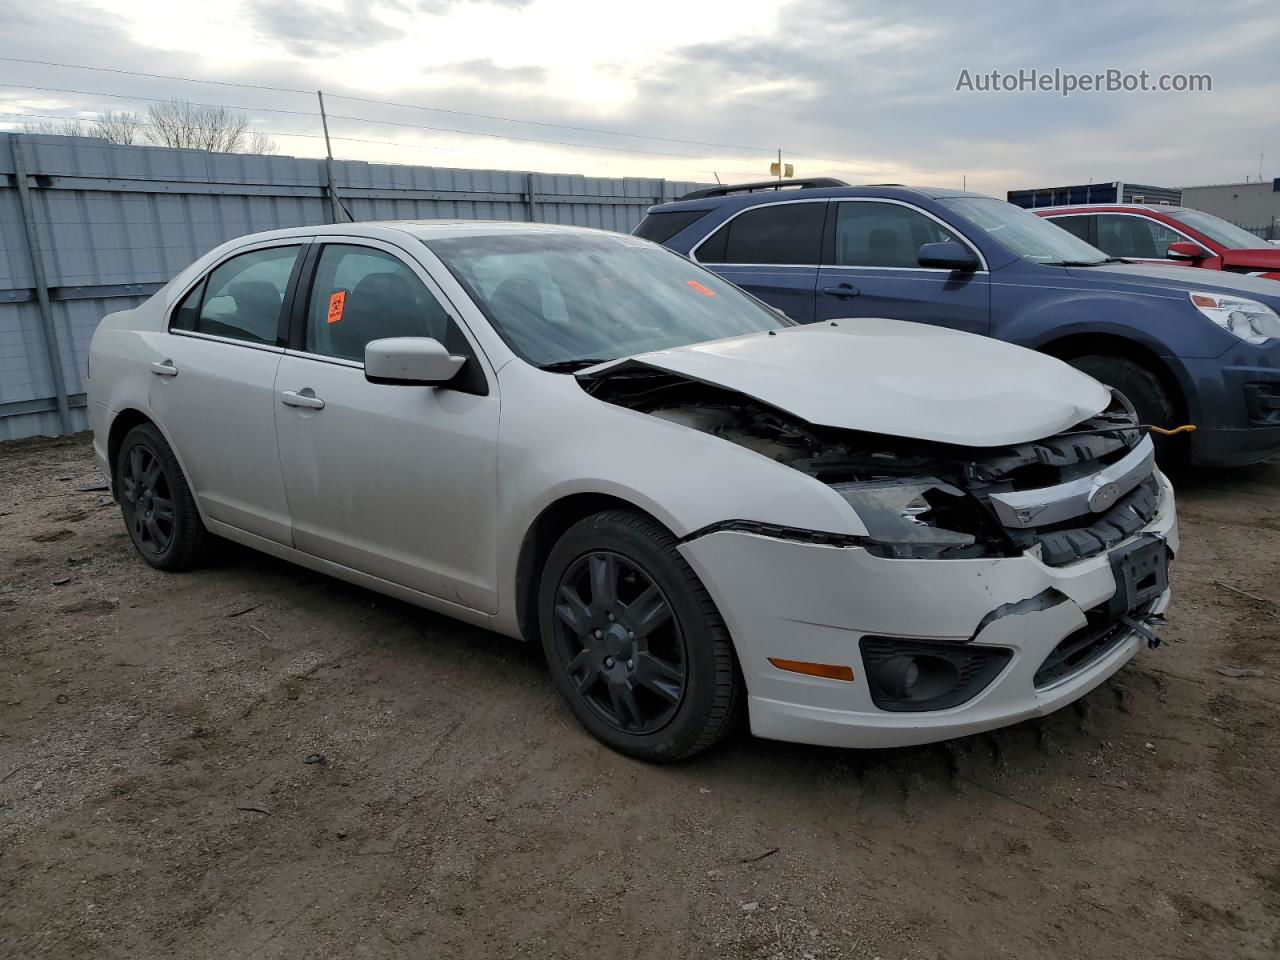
866 533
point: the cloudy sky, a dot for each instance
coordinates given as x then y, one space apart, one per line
685 89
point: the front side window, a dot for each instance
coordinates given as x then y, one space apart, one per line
241 298
1023 233
361 294
567 298
1136 238
785 233
884 234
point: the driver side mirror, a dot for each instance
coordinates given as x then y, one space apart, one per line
410 361
1185 250
948 255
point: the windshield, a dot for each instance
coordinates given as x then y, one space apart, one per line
557 298
1024 234
1219 230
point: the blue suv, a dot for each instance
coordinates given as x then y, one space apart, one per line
1183 347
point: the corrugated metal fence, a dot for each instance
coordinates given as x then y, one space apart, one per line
98 228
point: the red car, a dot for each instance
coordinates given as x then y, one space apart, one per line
1173 235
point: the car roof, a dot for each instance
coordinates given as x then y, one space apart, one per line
421 229
754 197
1086 207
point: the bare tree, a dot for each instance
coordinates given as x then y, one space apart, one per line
259 142
190 126
120 127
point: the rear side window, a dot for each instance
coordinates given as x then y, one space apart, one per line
1077 225
362 294
242 298
786 233
184 318
884 235
661 227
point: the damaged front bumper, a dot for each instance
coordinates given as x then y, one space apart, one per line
823 604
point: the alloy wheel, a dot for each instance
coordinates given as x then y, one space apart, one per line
147 500
620 642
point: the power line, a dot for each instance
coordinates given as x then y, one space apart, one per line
387 103
541 123
138 96
391 123
22 118
19 118
414 106
157 76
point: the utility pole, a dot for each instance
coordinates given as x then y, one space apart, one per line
336 212
779 166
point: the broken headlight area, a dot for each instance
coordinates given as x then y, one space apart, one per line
918 518
919 499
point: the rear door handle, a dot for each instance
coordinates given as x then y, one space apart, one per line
306 399
842 290
164 368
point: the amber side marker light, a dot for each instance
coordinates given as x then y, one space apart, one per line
831 671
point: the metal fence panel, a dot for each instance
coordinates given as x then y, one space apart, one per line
113 223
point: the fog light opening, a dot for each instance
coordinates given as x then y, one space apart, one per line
915 678
913 675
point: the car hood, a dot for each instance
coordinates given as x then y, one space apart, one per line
1175 279
1253 258
890 377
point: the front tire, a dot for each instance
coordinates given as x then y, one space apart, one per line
158 507
634 643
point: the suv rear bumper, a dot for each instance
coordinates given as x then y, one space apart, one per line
798 601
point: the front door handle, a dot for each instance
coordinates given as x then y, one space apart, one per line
164 368
842 291
305 398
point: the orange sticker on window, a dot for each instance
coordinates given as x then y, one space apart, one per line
705 291
337 301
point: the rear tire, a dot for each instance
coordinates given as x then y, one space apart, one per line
1145 392
634 643
158 507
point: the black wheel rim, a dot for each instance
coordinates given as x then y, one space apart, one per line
620 642
147 500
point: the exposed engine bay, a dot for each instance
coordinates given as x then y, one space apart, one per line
942 487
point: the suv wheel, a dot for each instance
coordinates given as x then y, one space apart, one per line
634 643
1145 393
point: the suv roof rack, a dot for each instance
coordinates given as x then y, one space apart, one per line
724 191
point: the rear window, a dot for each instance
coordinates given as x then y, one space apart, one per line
661 227
788 233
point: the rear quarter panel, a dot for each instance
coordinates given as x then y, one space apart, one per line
121 351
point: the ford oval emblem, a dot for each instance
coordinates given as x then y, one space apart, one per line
1104 496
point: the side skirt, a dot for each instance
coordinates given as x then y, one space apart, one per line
320 565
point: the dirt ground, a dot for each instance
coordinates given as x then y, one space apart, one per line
255 761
